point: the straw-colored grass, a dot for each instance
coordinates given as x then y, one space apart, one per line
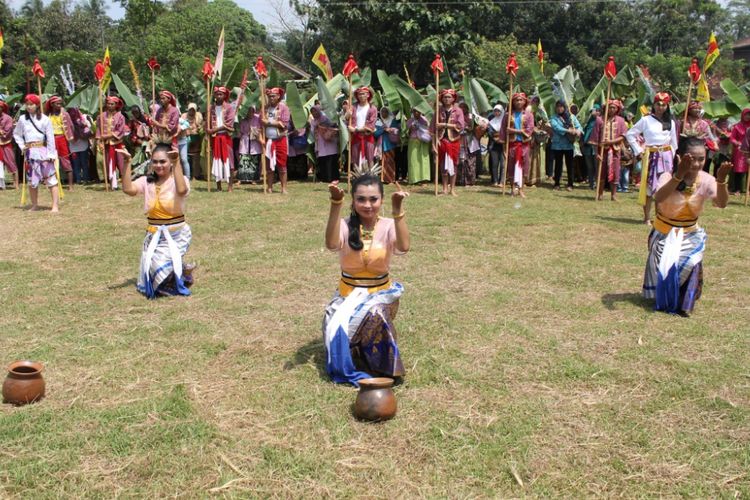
534 368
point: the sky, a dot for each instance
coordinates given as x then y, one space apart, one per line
259 8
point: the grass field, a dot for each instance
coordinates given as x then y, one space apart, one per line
534 368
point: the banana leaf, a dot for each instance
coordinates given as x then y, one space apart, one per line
468 98
493 92
273 78
544 90
580 92
327 102
199 88
623 82
445 77
392 96
415 99
124 92
479 97
334 86
719 109
735 95
598 95
361 79
565 84
251 99
50 88
430 94
343 135
377 99
231 74
296 106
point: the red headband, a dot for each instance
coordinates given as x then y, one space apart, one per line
221 90
662 97
52 100
449 92
32 98
615 102
4 106
170 96
275 91
116 101
364 89
695 105
520 95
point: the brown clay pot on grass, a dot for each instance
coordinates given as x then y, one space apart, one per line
375 400
24 383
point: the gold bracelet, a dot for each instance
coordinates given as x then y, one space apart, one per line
678 179
721 183
399 216
337 202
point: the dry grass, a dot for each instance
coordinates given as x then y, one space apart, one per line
533 367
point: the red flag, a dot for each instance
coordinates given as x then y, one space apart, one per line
694 71
260 68
208 69
610 71
437 64
153 64
512 66
350 66
37 68
99 71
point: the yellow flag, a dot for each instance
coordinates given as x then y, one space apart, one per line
702 94
712 53
540 55
2 42
107 71
320 59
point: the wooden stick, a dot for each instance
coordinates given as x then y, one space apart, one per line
39 84
209 157
349 152
104 154
600 159
507 136
262 87
687 103
435 139
153 87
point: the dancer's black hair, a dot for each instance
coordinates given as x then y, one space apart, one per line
355 238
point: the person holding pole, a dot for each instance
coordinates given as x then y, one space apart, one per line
162 270
609 137
447 125
36 140
276 122
659 132
166 123
62 126
111 130
220 129
7 155
518 135
362 128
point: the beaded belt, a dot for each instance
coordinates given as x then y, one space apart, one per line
358 282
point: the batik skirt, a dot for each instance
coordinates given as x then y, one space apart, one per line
161 271
360 336
674 270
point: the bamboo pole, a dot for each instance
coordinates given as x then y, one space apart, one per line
209 157
153 87
349 153
435 137
687 104
262 87
507 136
600 156
103 150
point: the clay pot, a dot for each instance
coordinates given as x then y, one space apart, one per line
24 383
375 400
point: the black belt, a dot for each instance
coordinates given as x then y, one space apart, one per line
166 222
365 282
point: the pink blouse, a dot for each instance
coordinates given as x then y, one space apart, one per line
170 204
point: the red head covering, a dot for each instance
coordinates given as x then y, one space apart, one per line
449 92
4 106
221 90
116 100
521 95
695 105
276 91
364 89
170 96
616 103
662 97
33 99
52 100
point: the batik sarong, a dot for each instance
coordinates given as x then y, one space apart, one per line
161 271
674 270
656 161
41 171
359 329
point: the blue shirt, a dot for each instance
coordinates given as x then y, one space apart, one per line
560 141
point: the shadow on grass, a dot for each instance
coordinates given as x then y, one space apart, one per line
312 351
127 283
611 299
622 220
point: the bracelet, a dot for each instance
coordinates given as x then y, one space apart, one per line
399 216
678 179
721 183
337 202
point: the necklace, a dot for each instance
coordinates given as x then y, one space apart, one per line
367 234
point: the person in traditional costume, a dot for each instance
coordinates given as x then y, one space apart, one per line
419 147
297 165
496 145
165 125
519 136
358 328
276 122
388 132
740 155
7 155
220 128
565 131
80 146
697 126
362 121
589 144
539 138
611 137
195 142
111 130
138 139
250 147
466 171
674 269
721 129
447 125
162 270
326 134
35 138
62 126
659 132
